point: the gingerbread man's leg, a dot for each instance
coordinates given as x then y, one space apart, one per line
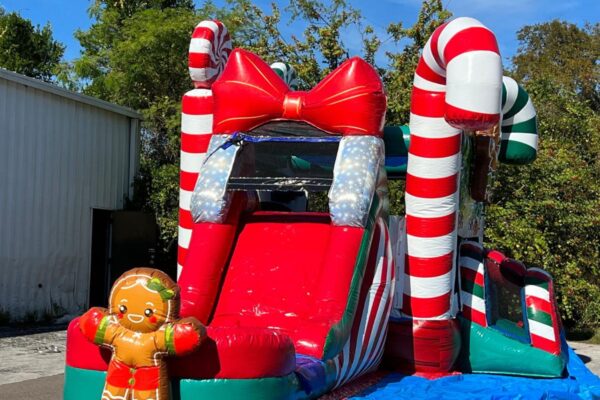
115 393
148 395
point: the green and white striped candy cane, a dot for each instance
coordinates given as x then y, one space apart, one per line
519 125
287 73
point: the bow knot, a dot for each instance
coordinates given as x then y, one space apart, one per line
292 105
349 101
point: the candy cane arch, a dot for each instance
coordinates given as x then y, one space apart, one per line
209 49
457 85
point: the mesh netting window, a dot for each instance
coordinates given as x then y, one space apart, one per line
284 164
505 297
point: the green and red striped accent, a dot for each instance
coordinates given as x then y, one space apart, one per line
472 278
99 337
170 339
519 125
541 311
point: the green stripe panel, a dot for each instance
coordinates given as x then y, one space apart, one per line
531 280
529 126
503 95
539 316
522 99
396 140
472 287
169 340
517 153
99 337
83 384
280 388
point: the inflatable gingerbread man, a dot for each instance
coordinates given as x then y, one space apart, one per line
141 327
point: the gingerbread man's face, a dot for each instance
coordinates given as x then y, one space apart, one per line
140 303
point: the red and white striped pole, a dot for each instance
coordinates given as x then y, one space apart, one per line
209 49
457 85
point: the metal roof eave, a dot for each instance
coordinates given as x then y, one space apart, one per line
57 90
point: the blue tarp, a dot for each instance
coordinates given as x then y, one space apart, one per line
579 384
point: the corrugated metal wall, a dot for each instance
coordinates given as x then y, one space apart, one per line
59 158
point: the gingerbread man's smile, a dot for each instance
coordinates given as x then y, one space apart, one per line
135 318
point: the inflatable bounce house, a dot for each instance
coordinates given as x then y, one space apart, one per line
281 301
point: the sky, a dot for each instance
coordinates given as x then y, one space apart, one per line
503 17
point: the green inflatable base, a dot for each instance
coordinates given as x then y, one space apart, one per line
83 384
485 350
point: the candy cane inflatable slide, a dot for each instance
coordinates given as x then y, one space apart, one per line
457 86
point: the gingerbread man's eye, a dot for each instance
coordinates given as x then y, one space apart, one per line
148 312
122 308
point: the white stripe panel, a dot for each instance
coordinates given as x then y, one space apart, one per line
425 288
179 269
212 25
545 331
383 314
474 82
525 114
433 167
429 127
536 291
191 162
196 124
512 91
474 302
200 45
185 199
345 362
430 247
530 139
383 327
425 84
184 237
472 264
198 93
377 283
430 60
202 73
430 208
365 312
453 27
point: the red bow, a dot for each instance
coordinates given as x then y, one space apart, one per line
349 101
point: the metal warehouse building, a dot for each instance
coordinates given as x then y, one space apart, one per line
64 159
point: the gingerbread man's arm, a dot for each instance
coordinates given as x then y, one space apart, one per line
98 327
181 337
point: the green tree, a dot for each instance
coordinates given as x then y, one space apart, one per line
548 213
27 49
135 54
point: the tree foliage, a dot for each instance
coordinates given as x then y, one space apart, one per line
27 49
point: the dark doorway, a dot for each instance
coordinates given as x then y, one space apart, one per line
99 281
121 240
